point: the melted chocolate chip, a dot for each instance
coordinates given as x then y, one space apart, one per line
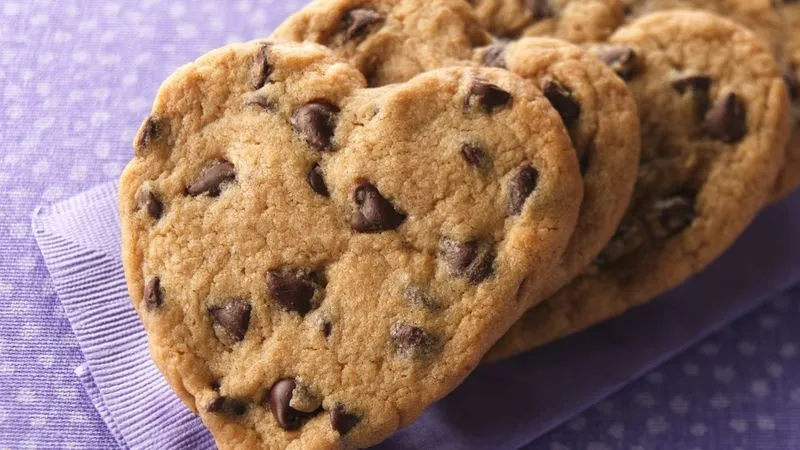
412 341
316 181
475 156
294 290
359 20
622 59
146 200
326 327
375 213
471 260
495 56
151 130
227 405
670 216
342 421
626 239
540 9
421 298
280 397
153 297
261 68
261 101
562 100
315 121
727 119
487 96
792 83
233 317
699 86
522 186
212 179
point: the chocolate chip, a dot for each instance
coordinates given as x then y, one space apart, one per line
540 9
342 421
471 260
280 397
488 96
421 298
626 239
146 200
359 20
316 181
315 121
622 59
495 56
792 83
670 216
227 405
375 213
215 385
151 130
699 86
212 178
261 68
261 101
475 156
562 100
727 119
294 290
233 317
153 297
326 327
522 186
412 341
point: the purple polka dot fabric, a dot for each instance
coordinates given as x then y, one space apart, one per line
76 79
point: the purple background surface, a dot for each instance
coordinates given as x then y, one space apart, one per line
76 79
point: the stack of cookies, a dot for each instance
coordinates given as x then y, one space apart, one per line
327 230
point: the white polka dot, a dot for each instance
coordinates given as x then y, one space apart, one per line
243 6
18 230
216 24
768 321
760 388
5 289
11 9
3 415
112 169
99 117
577 423
41 166
655 377
72 446
43 89
616 430
72 11
38 420
78 417
14 111
61 37
788 350
258 18
67 393
108 36
80 56
775 370
782 302
698 429
39 20
765 423
719 401
25 396
53 193
679 405
177 10
130 79
709 349
169 48
102 149
138 105
644 399
75 96
78 172
597 446
746 348
26 263
12 92
724 374
605 407
795 395
637 447
86 26
29 331
44 58
657 425
6 369
111 9
233 38
28 444
46 359
11 159
106 59
738 425
145 32
558 446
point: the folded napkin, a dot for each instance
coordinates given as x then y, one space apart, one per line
503 406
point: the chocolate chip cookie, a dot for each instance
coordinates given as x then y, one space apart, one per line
315 261
389 40
789 178
602 118
577 21
715 119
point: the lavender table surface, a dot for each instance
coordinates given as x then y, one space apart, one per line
76 78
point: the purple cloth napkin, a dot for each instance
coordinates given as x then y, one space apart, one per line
503 406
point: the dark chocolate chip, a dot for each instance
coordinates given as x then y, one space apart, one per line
562 100
233 317
412 341
495 56
699 86
262 102
359 20
626 239
227 405
315 121
261 68
792 83
146 200
470 260
212 178
326 327
486 95
294 290
622 59
475 156
540 9
153 297
215 385
151 130
375 213
522 186
280 396
727 119
421 298
342 421
316 181
670 216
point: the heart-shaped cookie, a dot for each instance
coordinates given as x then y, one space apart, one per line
315 261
